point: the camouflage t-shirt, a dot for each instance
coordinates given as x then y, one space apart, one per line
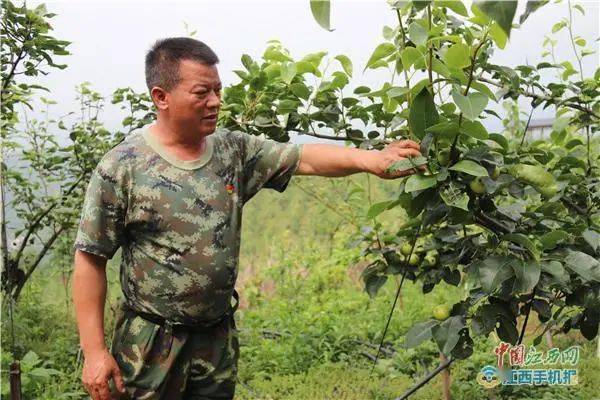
178 222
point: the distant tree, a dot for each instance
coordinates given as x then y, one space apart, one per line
46 163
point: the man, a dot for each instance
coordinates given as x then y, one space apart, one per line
171 197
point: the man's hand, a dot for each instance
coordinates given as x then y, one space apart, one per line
393 152
98 368
89 294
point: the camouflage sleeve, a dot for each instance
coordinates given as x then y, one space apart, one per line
101 227
268 163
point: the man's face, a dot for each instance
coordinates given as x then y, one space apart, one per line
194 103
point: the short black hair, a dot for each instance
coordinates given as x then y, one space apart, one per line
162 60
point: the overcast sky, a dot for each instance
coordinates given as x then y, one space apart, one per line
110 39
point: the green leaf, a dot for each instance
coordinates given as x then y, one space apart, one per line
482 88
275 54
373 278
456 6
501 140
271 71
30 360
377 209
238 72
288 71
523 241
532 6
373 283
592 238
379 64
43 373
584 265
527 274
440 68
417 33
589 324
501 11
551 239
321 11
346 64
420 85
388 33
410 56
557 271
303 67
300 90
396 91
558 26
419 333
457 56
406 164
340 80
419 182
377 93
421 4
447 334
507 330
454 197
447 128
362 90
492 271
422 114
247 62
314 58
287 106
474 129
469 167
471 105
498 35
381 51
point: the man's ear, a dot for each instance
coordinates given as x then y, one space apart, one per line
159 97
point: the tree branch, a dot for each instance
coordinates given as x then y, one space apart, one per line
329 137
544 98
41 216
488 222
38 259
429 377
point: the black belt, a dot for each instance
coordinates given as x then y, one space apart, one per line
194 326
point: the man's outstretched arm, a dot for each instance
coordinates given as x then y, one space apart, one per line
335 161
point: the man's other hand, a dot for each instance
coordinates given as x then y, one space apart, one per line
98 368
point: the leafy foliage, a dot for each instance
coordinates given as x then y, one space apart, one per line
510 219
27 49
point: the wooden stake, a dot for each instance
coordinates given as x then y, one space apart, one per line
446 395
549 340
15 381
